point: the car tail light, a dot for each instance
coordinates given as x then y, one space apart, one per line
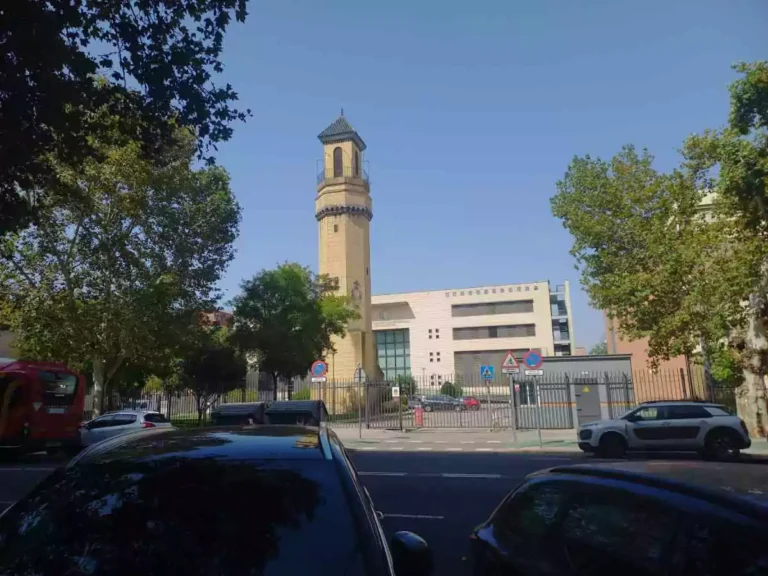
147 425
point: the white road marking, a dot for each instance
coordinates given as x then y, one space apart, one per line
367 448
397 448
423 449
455 449
417 442
417 516
382 473
483 449
449 475
494 441
441 441
391 441
468 442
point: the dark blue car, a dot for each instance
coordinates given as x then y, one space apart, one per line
630 519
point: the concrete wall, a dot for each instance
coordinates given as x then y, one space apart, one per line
6 345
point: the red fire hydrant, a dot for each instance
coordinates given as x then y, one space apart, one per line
418 416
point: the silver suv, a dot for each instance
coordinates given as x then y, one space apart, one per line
709 429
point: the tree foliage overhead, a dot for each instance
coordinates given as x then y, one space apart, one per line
125 255
599 349
159 57
287 317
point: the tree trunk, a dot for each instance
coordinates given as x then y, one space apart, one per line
750 397
99 388
274 386
199 410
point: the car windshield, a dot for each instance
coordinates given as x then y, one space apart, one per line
58 388
184 516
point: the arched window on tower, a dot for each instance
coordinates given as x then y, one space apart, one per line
356 165
338 165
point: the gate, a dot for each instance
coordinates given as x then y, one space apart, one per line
587 400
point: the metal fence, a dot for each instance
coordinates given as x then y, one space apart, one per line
548 401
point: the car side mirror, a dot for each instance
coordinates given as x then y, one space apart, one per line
631 418
411 555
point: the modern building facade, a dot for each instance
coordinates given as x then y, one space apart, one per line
344 210
440 335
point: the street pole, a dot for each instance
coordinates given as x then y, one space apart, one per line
538 410
359 374
514 407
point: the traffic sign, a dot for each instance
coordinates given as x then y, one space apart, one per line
395 391
534 372
510 365
533 360
319 369
487 371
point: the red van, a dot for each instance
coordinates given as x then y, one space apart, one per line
41 407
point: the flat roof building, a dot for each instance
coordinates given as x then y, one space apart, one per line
440 334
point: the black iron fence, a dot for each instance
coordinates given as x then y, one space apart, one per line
548 401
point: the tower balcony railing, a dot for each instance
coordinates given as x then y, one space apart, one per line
345 172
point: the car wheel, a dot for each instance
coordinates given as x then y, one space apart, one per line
721 445
612 445
428 408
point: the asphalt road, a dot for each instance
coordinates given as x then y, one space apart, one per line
443 496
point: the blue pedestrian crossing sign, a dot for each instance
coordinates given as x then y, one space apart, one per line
487 371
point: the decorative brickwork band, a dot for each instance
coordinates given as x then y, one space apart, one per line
344 209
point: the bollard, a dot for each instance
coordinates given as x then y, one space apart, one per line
418 414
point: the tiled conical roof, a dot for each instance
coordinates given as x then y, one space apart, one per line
340 131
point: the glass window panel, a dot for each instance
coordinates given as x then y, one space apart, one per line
398 336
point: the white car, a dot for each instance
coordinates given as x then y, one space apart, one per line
115 423
709 429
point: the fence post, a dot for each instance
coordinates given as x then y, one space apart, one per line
400 410
538 410
513 407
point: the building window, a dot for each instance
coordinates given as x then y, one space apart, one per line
501 289
462 293
518 289
454 293
366 270
485 309
535 288
338 164
394 352
481 332
356 164
447 294
430 330
485 291
527 288
335 227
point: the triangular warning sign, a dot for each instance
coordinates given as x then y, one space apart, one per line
510 361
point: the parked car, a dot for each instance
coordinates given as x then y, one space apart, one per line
630 518
116 423
202 501
471 403
442 402
703 427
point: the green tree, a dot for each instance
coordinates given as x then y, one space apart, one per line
159 57
287 317
733 162
124 256
211 367
599 349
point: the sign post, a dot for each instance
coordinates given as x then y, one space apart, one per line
533 362
360 376
510 367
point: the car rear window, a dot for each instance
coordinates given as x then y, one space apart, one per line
155 418
718 411
184 516
58 388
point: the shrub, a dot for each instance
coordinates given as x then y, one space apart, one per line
303 394
450 389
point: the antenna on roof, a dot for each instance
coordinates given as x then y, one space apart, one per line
342 110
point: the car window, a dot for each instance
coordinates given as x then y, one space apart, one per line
649 414
155 418
58 388
123 419
716 547
611 531
186 516
717 411
526 517
102 422
683 412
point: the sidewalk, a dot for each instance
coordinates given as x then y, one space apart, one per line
477 440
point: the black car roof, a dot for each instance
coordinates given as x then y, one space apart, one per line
226 442
735 484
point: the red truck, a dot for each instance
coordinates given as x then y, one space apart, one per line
41 407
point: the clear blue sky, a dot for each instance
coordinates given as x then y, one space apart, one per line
471 112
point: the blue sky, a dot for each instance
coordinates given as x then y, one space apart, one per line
471 112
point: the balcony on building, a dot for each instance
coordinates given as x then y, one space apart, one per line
341 174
